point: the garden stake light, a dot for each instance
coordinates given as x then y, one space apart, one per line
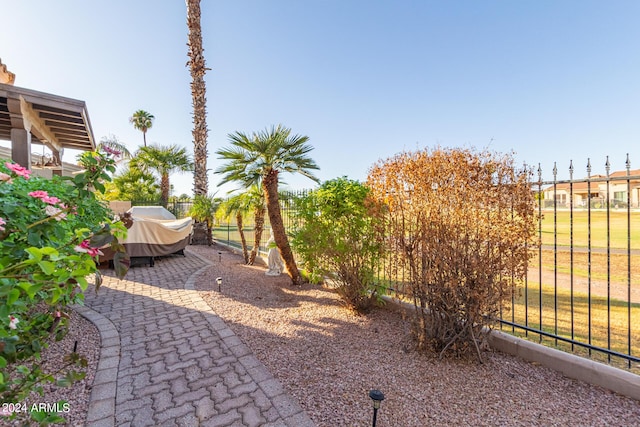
377 397
219 281
219 256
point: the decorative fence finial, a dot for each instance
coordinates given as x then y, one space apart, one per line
628 164
539 173
570 169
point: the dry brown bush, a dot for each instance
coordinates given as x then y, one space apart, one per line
461 223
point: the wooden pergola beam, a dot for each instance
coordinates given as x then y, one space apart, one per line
37 124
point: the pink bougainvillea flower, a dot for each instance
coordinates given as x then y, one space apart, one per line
54 212
39 194
2 222
94 252
13 322
111 151
5 178
84 247
72 210
45 197
52 200
18 170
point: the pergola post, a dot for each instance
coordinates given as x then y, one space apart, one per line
21 147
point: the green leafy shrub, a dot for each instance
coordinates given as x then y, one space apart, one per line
51 232
337 237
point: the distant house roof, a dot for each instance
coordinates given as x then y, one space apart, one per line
578 186
632 172
56 121
582 185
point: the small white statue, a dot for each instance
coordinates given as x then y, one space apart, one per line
274 261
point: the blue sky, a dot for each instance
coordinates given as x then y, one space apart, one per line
550 80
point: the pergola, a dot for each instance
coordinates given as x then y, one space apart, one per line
31 117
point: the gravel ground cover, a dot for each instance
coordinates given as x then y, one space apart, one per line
77 396
328 358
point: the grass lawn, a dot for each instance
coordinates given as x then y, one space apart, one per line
560 322
617 268
618 228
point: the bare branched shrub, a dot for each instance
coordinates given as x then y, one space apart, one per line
462 223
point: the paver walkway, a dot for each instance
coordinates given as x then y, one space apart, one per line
168 360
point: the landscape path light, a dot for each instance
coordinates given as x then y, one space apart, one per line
219 256
377 397
219 282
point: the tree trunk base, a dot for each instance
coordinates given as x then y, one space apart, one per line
201 235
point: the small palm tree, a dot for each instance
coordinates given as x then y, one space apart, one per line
163 160
258 160
252 200
235 206
142 121
203 211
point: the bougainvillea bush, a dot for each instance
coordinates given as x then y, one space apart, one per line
51 232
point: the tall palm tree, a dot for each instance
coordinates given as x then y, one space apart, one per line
163 160
142 121
198 69
259 159
251 200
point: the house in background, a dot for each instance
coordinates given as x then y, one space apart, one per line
29 117
596 190
42 165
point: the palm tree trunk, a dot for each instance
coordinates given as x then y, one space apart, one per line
198 69
258 216
245 253
270 186
164 190
144 138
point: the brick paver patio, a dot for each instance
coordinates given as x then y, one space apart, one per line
168 360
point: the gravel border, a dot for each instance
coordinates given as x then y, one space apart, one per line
328 357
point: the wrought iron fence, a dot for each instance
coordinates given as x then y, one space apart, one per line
227 231
582 290
582 293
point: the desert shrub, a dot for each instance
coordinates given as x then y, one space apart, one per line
337 237
460 223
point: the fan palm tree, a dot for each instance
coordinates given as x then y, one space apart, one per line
134 184
235 206
198 69
258 160
252 200
203 211
142 121
163 160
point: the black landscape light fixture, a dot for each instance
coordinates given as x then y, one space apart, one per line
219 282
219 256
377 397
